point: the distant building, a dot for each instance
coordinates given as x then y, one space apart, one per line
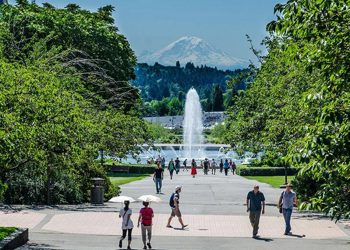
210 119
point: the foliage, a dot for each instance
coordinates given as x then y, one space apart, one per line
321 31
164 88
217 134
297 108
6 231
102 57
51 118
265 171
159 134
274 181
3 188
218 99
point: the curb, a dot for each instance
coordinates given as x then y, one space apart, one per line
16 239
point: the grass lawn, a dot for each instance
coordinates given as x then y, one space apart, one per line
6 231
121 179
274 181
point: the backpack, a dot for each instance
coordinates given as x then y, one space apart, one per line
171 201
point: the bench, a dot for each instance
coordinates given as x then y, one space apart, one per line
120 169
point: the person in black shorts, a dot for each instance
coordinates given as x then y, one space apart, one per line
158 177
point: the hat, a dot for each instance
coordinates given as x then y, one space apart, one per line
178 188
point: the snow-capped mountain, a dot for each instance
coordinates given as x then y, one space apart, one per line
195 50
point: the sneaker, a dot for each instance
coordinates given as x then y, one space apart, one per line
149 245
120 244
144 247
129 248
184 226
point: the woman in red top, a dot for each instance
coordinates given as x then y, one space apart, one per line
193 168
145 217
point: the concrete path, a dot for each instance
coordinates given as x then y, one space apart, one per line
213 206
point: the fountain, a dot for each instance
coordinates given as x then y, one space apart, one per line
193 126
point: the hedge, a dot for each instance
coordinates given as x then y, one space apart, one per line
263 171
138 169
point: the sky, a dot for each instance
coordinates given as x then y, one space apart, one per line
150 25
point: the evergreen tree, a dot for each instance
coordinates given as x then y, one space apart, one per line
218 99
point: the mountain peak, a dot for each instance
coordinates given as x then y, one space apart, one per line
192 49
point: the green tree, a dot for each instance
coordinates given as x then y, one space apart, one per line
218 99
100 55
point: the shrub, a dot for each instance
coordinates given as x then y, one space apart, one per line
3 188
265 171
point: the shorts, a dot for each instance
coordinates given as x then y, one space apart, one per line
175 212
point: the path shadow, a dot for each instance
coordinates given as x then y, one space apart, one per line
296 235
36 246
263 239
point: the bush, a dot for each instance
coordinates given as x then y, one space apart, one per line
138 169
142 170
3 188
263 171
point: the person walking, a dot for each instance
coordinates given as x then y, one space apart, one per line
177 165
175 207
287 201
158 177
221 165
193 168
145 218
163 163
159 159
127 224
213 167
206 166
226 167
185 165
171 168
255 207
233 167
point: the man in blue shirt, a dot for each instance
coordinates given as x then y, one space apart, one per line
255 207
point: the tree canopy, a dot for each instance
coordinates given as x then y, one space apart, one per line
297 108
101 56
64 96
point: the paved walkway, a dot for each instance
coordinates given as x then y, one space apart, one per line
213 206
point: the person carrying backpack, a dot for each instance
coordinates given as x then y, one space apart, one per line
175 207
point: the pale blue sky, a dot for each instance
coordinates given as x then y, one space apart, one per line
152 24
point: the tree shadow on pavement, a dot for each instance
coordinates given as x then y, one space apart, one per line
36 246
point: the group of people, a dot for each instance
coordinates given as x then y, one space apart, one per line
174 166
256 206
206 165
145 219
